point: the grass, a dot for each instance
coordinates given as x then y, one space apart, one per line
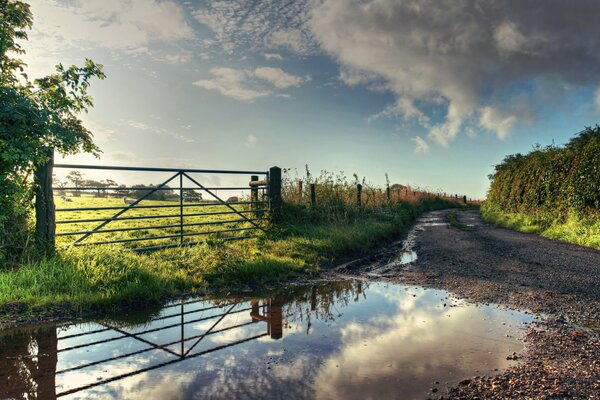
112 276
455 223
215 211
583 231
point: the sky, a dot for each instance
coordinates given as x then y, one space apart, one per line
433 93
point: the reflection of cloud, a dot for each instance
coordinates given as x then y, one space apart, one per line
389 341
229 336
422 341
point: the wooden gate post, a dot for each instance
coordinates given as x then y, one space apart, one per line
253 191
313 195
45 225
275 199
359 195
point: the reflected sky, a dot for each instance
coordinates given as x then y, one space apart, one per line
331 340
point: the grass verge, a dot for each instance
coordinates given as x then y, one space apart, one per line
583 231
455 223
104 277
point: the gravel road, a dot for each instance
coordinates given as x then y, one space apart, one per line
487 264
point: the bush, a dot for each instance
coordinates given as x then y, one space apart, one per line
551 183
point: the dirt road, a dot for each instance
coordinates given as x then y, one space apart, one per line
487 264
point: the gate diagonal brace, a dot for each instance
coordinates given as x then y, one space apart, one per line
208 331
223 202
111 219
134 336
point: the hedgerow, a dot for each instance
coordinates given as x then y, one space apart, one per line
551 182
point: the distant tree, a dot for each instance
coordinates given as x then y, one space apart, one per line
108 183
76 179
161 195
98 185
58 183
36 118
192 195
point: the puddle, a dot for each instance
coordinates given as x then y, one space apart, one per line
332 340
399 254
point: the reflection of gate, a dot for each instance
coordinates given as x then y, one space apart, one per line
107 219
177 348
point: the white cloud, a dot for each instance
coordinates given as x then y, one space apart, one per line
241 84
497 121
134 27
273 56
251 140
122 156
279 78
142 126
421 146
468 58
116 24
231 83
403 107
292 39
269 24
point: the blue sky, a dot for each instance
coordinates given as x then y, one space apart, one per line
432 93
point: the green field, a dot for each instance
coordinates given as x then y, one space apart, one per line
142 227
107 276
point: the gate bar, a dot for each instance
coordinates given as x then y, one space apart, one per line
199 171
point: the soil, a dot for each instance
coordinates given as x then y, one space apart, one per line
484 263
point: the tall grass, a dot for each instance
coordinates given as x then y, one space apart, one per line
307 238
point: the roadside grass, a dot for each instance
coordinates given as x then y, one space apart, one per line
583 231
112 276
451 217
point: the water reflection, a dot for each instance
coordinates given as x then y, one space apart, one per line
342 339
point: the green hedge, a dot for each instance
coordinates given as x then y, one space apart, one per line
551 182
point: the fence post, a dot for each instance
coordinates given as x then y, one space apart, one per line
253 191
45 225
300 191
359 195
389 194
313 195
181 207
465 199
275 200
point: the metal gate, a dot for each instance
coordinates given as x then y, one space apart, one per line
173 213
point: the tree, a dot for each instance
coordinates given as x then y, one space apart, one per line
162 194
76 179
36 118
191 195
